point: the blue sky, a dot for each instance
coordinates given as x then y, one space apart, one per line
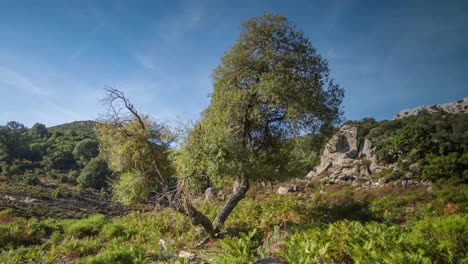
56 56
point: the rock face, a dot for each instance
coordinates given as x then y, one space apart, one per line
458 107
341 161
340 150
344 162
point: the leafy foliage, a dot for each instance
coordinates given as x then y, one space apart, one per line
86 149
242 250
438 142
270 86
50 149
95 174
436 240
139 155
440 168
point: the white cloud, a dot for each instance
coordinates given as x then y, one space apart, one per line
145 60
18 81
187 19
53 110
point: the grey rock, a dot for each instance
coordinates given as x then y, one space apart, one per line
187 255
415 168
285 190
210 193
221 195
458 107
282 190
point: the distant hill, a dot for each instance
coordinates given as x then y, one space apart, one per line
458 107
84 127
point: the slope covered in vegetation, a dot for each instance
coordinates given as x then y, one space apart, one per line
317 224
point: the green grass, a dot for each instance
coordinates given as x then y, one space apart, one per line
335 226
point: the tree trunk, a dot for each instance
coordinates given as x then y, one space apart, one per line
237 195
196 217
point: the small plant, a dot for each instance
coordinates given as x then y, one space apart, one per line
240 250
90 226
57 193
30 178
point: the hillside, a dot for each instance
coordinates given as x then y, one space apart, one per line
397 185
458 107
82 127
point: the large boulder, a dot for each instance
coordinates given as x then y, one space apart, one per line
344 162
342 147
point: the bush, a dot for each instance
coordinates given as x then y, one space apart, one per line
442 168
57 193
10 170
242 250
60 160
438 240
86 149
22 233
443 239
412 141
110 231
31 178
90 226
94 174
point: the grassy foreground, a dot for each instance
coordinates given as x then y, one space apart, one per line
336 225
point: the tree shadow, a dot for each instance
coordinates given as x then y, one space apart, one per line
354 211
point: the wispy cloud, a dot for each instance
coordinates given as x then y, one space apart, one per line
16 80
187 19
100 20
145 60
19 81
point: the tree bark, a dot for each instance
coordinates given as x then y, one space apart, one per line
231 203
196 217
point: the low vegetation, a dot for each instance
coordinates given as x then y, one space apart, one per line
332 226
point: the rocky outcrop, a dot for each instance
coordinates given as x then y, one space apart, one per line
458 107
345 162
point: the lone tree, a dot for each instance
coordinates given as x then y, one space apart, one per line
270 88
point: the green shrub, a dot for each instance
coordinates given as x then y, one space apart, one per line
86 149
442 168
10 170
73 175
443 239
90 226
31 178
57 193
22 233
60 159
242 250
117 253
432 240
412 141
110 231
95 174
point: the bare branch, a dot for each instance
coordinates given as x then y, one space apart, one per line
113 102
